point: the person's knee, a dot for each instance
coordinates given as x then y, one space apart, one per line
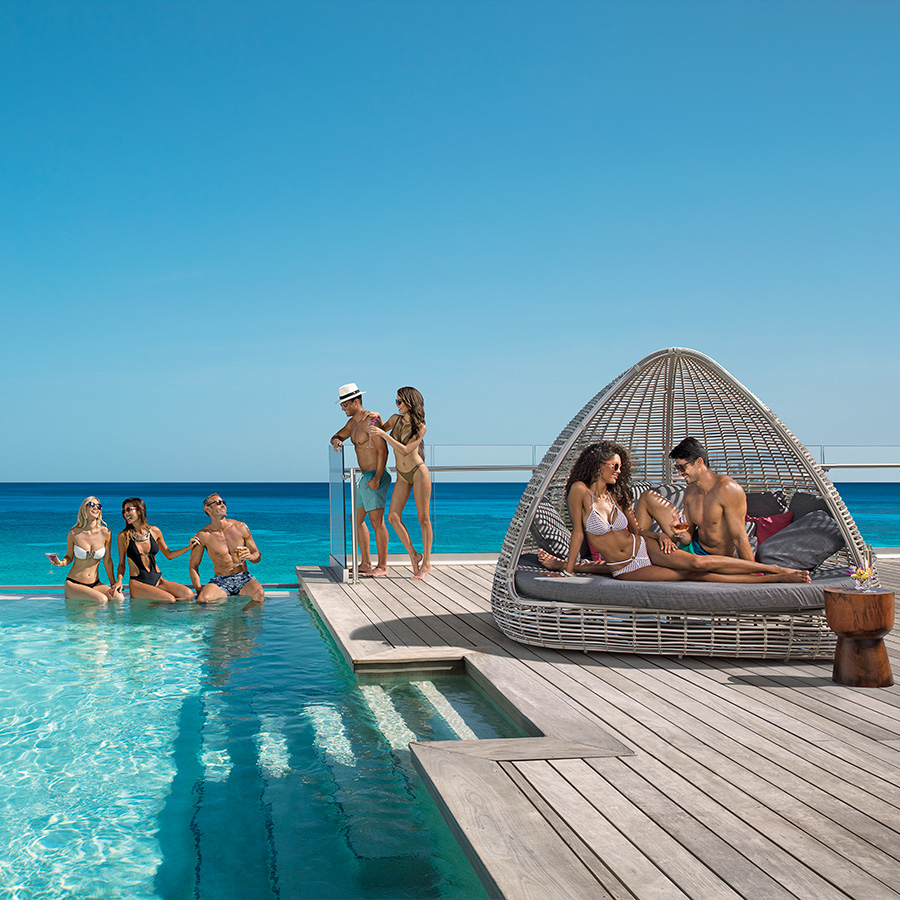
394 518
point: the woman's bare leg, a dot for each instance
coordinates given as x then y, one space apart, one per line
402 489
422 492
76 591
555 564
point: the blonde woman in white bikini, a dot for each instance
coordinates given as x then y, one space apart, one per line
404 432
88 546
599 500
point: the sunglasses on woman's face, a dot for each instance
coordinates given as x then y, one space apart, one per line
93 505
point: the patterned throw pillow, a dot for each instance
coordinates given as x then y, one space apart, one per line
549 531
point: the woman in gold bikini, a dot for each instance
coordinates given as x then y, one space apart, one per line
404 431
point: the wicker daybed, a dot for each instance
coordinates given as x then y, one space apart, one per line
667 396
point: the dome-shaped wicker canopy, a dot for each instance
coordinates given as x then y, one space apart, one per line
667 396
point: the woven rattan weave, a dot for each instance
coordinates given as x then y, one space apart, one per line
665 397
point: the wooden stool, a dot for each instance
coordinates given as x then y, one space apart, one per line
860 620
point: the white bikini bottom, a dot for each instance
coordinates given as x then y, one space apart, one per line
639 559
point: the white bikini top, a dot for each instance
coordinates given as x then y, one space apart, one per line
81 553
596 524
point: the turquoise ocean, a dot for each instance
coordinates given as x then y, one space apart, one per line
290 521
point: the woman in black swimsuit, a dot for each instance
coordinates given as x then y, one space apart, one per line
404 431
141 542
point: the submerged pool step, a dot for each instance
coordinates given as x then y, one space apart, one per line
445 709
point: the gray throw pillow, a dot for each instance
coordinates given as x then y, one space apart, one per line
549 531
803 544
803 503
766 503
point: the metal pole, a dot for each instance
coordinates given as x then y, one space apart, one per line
354 537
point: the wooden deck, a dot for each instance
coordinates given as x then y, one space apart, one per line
656 778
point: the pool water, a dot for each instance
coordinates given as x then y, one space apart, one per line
217 752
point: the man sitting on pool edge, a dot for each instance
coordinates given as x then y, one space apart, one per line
230 547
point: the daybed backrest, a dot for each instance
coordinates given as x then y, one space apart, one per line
667 396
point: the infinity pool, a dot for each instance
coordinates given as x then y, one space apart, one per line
217 752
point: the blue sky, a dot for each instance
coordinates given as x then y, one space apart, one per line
214 213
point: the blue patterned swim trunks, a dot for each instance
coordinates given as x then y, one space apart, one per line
231 584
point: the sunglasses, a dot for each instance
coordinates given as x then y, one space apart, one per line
216 503
681 468
93 505
398 401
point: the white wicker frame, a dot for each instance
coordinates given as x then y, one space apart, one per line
667 396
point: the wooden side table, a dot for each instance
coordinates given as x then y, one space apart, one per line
860 619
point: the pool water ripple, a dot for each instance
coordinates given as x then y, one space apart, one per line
182 752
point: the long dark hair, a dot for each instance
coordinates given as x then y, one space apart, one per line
415 403
588 465
141 508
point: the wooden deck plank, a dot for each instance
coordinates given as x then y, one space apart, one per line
503 834
629 862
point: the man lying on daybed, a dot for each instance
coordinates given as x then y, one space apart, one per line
600 508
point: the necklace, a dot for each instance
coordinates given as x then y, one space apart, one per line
141 537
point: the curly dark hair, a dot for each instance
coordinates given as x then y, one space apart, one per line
588 465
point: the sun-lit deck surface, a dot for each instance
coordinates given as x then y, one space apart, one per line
658 777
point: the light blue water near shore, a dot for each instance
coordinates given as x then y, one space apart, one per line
290 521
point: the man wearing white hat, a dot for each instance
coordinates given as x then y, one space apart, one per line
371 491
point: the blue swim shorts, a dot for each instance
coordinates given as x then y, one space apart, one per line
695 548
369 500
231 584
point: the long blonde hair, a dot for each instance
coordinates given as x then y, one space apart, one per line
82 520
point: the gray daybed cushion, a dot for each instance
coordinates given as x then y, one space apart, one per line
694 596
803 544
766 503
802 504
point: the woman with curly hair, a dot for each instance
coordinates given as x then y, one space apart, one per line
404 431
599 499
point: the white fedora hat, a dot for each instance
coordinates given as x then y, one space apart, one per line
349 392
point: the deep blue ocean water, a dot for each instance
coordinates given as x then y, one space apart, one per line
290 521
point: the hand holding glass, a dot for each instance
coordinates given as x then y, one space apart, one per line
54 560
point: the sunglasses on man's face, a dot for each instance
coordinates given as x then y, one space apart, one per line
681 468
216 503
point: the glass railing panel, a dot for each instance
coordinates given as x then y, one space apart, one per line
338 502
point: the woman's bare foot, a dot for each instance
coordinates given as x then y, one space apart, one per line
551 562
415 561
796 576
423 571
377 572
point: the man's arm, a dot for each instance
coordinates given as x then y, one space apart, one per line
254 555
338 438
382 453
194 564
734 508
